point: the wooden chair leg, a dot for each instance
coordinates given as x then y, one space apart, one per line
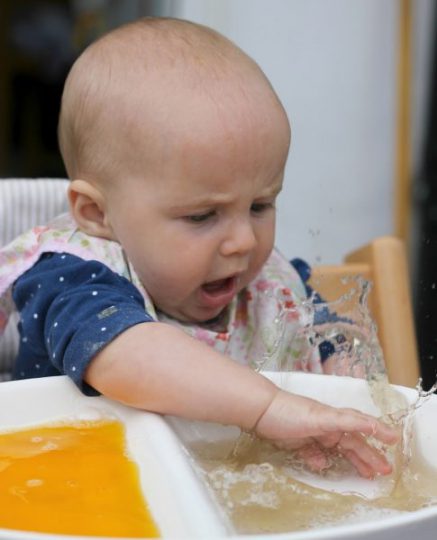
391 299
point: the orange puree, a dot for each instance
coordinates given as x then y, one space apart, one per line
72 479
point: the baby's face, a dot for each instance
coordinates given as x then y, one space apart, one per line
199 226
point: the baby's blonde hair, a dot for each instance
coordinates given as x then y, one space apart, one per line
112 76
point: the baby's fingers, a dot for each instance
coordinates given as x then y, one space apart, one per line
314 457
368 460
352 421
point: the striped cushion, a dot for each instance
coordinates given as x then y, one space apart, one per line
25 203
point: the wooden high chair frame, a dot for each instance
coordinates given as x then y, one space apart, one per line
384 263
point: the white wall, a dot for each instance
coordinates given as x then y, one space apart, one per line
333 64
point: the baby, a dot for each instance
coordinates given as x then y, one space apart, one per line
154 290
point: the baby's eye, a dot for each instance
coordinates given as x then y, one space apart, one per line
259 208
200 218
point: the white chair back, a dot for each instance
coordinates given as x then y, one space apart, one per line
25 203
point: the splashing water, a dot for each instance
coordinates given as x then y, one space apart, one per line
257 483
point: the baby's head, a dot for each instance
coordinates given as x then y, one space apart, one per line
176 144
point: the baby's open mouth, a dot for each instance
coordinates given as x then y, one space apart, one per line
219 286
217 294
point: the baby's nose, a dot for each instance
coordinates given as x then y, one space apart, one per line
240 239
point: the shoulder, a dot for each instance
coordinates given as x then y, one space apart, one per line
302 268
56 273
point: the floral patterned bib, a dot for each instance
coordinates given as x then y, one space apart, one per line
260 327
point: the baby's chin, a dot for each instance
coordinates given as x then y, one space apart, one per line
200 317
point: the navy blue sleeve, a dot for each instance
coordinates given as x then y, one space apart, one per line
70 309
322 314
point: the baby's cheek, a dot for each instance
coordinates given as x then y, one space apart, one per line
256 267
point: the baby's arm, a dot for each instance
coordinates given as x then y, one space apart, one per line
157 367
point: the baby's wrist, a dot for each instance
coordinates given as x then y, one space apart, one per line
264 417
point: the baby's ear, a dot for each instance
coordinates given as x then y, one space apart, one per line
88 208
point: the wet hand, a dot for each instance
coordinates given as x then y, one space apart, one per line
315 429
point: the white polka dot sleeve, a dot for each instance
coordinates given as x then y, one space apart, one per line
70 309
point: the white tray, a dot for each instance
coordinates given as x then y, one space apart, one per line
178 502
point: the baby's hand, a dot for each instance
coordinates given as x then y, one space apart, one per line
297 422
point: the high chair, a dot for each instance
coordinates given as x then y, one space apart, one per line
384 263
28 202
24 203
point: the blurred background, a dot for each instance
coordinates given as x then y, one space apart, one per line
357 78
